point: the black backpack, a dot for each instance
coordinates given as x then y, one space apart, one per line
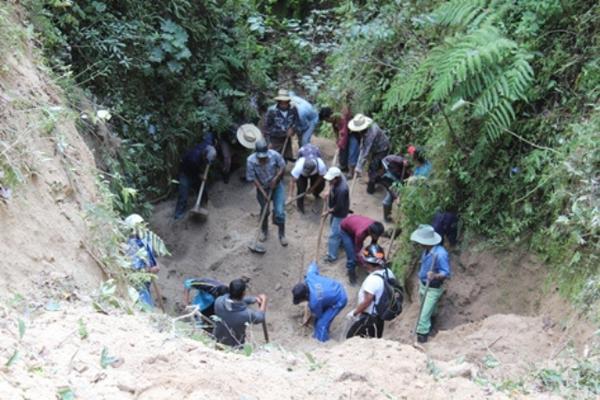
390 303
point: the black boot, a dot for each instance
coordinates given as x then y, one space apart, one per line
300 204
421 338
352 277
371 187
282 238
387 213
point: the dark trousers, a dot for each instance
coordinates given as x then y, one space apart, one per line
375 165
367 326
305 183
186 184
343 158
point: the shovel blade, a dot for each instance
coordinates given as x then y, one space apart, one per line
257 248
199 213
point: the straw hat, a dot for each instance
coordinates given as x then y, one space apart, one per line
426 235
248 135
283 95
359 123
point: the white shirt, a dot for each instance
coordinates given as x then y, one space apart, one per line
373 285
299 166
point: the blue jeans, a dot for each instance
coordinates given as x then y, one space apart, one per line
389 198
348 243
335 238
278 199
353 150
186 184
305 136
323 323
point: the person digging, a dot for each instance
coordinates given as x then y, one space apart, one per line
433 272
281 122
338 207
265 168
364 318
234 315
326 298
354 230
307 175
375 145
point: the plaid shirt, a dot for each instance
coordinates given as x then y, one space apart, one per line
375 141
264 173
277 124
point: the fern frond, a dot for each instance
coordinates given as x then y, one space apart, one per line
461 13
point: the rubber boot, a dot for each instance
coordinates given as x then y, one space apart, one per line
300 204
282 238
352 277
387 213
264 230
350 173
371 187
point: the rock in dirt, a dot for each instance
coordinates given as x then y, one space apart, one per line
351 376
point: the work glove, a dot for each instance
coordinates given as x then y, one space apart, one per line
351 317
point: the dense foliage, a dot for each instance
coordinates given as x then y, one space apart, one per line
502 95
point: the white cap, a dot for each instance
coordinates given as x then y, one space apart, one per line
133 220
332 173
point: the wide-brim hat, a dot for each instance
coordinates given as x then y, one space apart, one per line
426 235
332 173
248 135
359 123
283 95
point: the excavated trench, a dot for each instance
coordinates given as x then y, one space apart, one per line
483 285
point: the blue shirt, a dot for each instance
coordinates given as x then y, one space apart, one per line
139 259
308 117
423 170
323 292
442 263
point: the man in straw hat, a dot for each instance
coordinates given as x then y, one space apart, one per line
375 145
281 122
326 298
265 168
434 270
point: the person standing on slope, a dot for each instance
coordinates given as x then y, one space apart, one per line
338 207
265 167
433 272
281 122
326 298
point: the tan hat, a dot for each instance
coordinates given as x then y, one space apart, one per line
248 135
283 95
359 123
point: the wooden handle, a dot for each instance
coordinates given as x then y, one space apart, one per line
204 177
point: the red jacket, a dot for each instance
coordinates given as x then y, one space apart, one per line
357 226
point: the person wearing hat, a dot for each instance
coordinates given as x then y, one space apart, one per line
234 315
308 174
308 119
364 318
142 255
281 122
338 207
354 230
191 170
326 299
375 145
433 272
265 168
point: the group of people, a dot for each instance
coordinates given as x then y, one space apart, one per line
360 141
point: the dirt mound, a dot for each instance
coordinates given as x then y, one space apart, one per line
143 363
42 225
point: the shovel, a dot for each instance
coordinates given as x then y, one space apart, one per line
197 211
255 247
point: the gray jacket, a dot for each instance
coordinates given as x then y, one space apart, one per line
233 316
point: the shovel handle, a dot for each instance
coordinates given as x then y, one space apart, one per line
204 177
265 331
